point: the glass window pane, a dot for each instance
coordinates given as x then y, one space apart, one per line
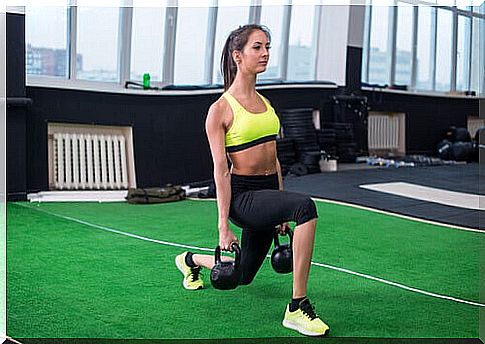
190 45
97 43
443 49
463 53
272 17
474 82
147 42
301 47
404 44
478 56
46 41
379 55
424 51
228 19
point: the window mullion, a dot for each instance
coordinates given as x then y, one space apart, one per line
285 39
255 12
391 42
414 58
169 42
470 54
124 43
367 45
434 25
72 41
454 45
316 40
210 45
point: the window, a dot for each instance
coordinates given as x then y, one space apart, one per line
97 43
300 47
379 54
425 60
147 42
404 44
46 41
463 53
478 59
425 49
272 16
191 45
444 36
228 19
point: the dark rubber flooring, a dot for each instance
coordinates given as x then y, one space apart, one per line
344 186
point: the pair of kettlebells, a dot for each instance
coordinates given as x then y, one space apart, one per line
282 256
226 275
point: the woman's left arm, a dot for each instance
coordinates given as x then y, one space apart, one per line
280 177
284 227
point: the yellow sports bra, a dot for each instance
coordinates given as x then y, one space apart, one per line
250 129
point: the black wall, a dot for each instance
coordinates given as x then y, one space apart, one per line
16 108
168 131
427 118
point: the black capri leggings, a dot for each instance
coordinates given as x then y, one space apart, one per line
258 207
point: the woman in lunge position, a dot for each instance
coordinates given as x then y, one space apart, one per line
242 126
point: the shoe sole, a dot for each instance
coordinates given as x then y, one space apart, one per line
293 326
179 266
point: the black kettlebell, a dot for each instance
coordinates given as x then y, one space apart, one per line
226 275
282 256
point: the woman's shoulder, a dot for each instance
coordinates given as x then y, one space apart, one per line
219 107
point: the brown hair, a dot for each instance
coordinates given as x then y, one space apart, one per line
236 40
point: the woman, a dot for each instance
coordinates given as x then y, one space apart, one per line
242 126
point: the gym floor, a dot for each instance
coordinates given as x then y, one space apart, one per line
106 270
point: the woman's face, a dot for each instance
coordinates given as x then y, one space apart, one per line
255 54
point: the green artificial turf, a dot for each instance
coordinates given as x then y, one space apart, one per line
68 279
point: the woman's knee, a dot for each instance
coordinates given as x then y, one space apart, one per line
306 211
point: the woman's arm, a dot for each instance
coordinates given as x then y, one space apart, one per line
280 177
215 130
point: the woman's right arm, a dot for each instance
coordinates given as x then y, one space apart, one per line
215 130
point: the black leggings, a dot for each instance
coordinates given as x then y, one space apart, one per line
258 207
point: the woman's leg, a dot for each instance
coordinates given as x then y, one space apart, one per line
303 239
208 261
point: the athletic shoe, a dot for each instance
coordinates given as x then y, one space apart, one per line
305 320
192 280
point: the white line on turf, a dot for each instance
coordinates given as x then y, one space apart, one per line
406 217
377 279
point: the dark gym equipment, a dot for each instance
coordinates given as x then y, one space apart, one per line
298 126
462 151
444 148
282 256
454 134
350 114
226 275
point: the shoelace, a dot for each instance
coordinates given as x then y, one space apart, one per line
194 272
308 309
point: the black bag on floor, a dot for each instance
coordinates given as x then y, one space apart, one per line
169 193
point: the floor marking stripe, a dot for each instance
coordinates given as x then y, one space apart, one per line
406 217
377 279
385 212
429 194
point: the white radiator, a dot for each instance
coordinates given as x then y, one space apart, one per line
89 162
386 132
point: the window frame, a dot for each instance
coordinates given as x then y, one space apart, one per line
456 13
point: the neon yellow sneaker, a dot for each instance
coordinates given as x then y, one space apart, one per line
192 280
305 320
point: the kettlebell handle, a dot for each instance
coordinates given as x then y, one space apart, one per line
289 232
237 258
235 247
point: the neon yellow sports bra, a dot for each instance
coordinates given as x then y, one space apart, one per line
250 129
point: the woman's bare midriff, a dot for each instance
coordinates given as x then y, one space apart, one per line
257 160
